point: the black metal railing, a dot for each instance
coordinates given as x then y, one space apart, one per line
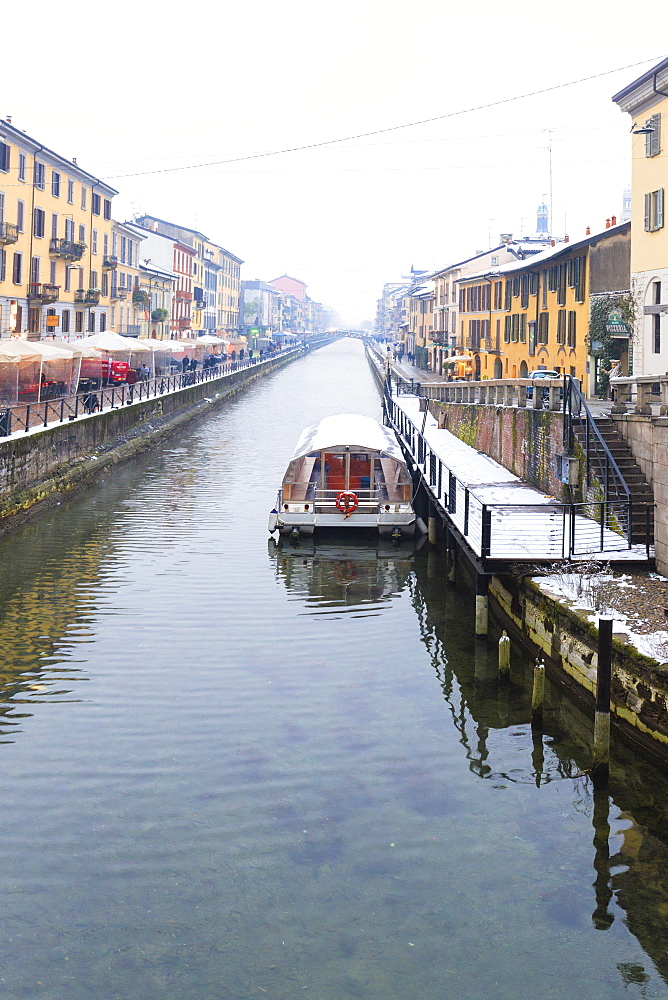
541 532
579 422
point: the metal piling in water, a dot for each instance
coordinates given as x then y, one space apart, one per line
600 766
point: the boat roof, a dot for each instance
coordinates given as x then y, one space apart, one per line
348 430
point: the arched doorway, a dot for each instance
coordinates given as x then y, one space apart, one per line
476 368
524 369
498 368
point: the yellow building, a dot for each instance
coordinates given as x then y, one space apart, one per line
229 291
55 233
646 101
534 314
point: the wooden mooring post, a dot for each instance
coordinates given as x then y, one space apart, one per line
538 694
481 604
600 765
504 657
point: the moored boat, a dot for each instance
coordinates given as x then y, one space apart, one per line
346 472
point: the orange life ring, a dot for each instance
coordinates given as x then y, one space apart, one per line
347 502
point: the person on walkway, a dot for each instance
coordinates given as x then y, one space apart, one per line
144 373
613 372
186 363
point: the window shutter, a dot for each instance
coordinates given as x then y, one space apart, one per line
659 209
648 210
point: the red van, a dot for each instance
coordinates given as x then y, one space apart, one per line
104 372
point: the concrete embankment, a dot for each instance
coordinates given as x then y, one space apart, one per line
41 468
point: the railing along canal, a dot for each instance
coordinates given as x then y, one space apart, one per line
25 416
514 532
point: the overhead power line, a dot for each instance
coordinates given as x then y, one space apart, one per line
382 131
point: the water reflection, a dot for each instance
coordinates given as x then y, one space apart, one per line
331 578
630 859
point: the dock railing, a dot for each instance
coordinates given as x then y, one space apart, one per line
645 394
516 532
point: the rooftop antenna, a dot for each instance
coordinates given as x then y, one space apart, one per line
549 151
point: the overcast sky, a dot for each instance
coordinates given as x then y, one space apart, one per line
135 89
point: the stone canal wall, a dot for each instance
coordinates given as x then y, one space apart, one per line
524 440
569 643
42 467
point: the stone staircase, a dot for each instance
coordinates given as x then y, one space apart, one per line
641 492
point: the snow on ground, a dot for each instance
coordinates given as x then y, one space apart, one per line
598 593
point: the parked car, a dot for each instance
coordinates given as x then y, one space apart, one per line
543 373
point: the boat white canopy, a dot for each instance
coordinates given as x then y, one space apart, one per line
348 430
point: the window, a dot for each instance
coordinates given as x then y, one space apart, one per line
516 285
40 176
22 166
509 294
107 209
96 203
68 280
523 328
105 244
543 328
54 225
38 222
17 268
52 272
653 138
572 317
65 321
533 283
20 215
83 197
561 326
70 192
103 322
93 280
561 285
91 322
3 264
4 156
55 184
93 241
82 233
105 283
124 244
654 211
656 333
34 269
525 291
69 230
78 322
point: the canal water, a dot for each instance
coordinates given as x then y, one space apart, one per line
229 771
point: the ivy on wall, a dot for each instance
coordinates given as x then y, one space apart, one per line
599 311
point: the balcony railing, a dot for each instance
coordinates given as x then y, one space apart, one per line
118 293
8 233
129 329
109 261
42 293
66 248
87 296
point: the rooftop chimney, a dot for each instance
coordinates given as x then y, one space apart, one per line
566 238
607 223
588 231
9 119
613 220
552 243
74 159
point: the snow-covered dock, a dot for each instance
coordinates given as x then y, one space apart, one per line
500 517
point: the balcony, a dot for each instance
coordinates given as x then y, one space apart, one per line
129 330
87 296
118 293
199 304
41 294
183 324
8 233
110 262
67 249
